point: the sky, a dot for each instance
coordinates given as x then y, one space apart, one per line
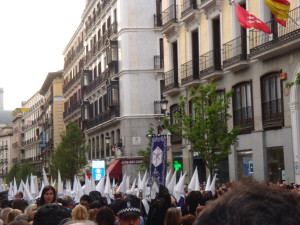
34 34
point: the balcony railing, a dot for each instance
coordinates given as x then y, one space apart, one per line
98 81
170 15
113 29
103 117
272 113
157 20
158 62
72 109
189 5
210 62
243 118
260 41
71 82
171 80
190 71
234 51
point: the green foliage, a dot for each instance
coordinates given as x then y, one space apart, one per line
296 82
20 172
69 155
206 128
145 153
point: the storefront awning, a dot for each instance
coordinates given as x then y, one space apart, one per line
115 169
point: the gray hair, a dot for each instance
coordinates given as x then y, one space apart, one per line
80 222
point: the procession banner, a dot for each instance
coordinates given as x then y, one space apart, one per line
158 160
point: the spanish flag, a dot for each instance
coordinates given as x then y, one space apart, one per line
280 9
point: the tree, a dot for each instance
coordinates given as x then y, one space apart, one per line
206 127
20 172
69 156
145 153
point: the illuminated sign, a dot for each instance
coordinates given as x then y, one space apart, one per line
98 169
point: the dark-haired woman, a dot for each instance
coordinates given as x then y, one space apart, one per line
48 195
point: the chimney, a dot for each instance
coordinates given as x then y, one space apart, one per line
1 99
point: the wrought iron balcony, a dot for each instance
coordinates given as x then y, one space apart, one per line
157 20
283 39
171 82
103 117
71 83
187 7
190 72
73 108
210 64
243 118
113 29
235 55
98 81
158 62
272 114
170 16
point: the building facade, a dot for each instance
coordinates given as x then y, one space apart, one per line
51 119
120 79
31 131
5 151
204 40
17 154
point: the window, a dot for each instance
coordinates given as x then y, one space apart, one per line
245 165
175 139
276 167
272 113
242 107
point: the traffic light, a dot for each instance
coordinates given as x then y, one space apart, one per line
177 165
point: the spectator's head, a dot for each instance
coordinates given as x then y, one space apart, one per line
129 213
5 203
251 204
81 222
85 200
188 219
95 196
105 216
96 205
68 202
18 204
4 213
12 214
173 216
30 211
19 222
93 214
192 200
48 195
118 195
80 213
19 195
51 214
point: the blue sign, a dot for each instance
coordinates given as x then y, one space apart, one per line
44 137
98 169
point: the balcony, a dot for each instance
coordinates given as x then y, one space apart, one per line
189 8
235 54
190 73
205 4
105 4
272 114
283 40
158 62
243 118
72 84
157 20
103 117
112 30
70 111
98 81
171 82
170 18
210 65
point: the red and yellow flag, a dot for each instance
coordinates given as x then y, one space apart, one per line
280 9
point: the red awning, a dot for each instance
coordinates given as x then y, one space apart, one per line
115 169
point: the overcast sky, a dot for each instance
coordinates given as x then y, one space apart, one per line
34 34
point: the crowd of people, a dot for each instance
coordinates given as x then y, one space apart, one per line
233 203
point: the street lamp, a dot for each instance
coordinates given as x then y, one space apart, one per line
163 105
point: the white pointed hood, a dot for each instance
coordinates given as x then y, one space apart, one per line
193 181
207 187
212 185
179 190
100 186
59 185
168 178
172 184
45 179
